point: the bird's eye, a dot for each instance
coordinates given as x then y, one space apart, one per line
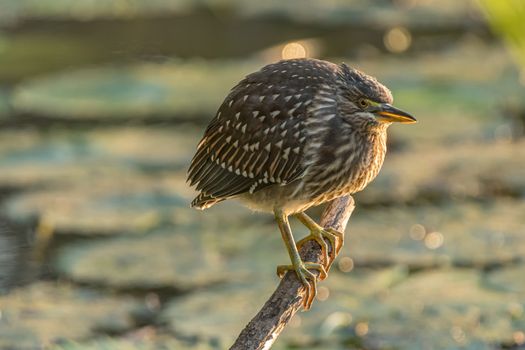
363 103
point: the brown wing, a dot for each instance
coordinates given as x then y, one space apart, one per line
257 137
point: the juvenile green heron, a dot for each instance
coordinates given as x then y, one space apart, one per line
293 135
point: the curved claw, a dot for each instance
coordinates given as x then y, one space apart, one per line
336 243
338 239
308 279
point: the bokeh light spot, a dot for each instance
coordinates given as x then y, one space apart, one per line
293 50
361 329
323 293
434 240
518 337
417 232
346 264
397 39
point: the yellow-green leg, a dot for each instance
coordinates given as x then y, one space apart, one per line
301 268
318 234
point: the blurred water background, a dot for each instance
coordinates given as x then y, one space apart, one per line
103 102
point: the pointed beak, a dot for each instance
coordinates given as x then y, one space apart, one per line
388 113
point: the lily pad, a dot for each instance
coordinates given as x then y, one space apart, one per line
181 258
127 203
167 91
430 174
35 159
448 309
460 234
46 313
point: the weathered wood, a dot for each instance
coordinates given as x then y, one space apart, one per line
262 331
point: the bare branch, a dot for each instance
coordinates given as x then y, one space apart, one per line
265 327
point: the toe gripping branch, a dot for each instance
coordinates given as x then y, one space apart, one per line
330 242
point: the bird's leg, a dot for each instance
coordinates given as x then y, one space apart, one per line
301 268
318 234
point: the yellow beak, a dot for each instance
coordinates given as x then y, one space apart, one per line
390 113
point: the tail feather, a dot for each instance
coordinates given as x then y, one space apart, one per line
204 201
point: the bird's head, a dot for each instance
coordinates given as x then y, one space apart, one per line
367 98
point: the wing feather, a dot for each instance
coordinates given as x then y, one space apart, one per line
255 140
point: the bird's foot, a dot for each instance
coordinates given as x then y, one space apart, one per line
308 279
329 253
